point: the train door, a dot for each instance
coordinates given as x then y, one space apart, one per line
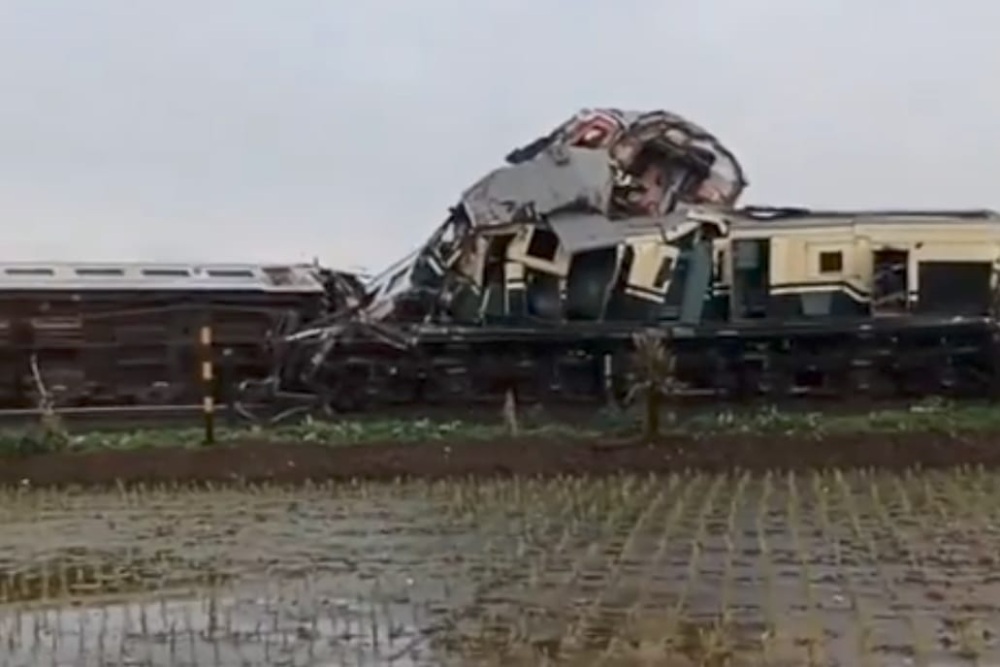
751 278
496 283
891 284
537 268
592 278
954 276
646 276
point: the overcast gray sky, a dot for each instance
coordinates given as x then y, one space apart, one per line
278 130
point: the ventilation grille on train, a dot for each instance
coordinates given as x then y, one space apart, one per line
57 331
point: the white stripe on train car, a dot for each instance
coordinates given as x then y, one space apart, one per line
91 276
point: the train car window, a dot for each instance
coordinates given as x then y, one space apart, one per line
100 272
230 273
166 273
747 254
29 272
831 262
543 245
279 275
664 273
720 260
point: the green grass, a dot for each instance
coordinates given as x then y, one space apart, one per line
307 431
932 416
938 417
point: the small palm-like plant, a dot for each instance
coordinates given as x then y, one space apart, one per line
53 434
654 367
510 414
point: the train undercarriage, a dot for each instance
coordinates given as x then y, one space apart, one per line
595 364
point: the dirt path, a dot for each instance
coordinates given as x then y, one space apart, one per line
297 462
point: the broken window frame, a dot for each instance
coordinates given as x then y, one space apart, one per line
664 274
540 237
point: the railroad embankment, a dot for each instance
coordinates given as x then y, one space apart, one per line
925 435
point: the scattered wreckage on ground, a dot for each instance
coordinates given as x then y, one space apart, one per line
618 222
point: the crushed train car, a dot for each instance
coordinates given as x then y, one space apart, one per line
618 221
115 334
564 205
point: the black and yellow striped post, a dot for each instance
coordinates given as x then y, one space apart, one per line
208 390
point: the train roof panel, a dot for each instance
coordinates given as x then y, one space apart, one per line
99 276
780 217
765 213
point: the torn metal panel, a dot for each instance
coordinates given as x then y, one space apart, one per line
657 159
692 142
572 179
581 232
588 128
664 226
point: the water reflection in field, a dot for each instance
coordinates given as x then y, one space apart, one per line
814 569
220 631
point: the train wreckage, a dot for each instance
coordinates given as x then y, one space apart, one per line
621 221
615 222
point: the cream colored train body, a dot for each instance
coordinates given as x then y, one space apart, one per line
529 273
805 264
784 264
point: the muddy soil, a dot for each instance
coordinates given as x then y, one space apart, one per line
292 462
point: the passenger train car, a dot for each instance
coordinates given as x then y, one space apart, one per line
114 334
789 263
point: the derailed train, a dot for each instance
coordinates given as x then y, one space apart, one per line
618 221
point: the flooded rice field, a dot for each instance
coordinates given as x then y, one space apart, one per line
679 569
